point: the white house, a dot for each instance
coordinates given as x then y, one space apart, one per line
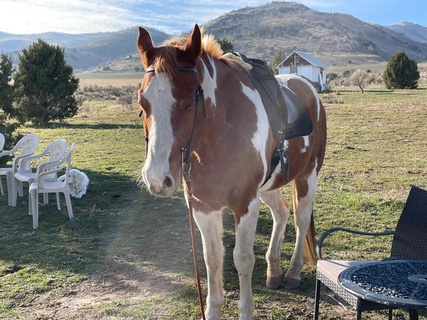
306 65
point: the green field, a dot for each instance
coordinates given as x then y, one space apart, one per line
127 254
379 67
116 79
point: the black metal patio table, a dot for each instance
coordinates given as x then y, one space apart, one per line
396 283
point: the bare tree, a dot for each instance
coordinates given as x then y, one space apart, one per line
361 79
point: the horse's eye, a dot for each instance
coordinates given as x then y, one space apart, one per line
143 103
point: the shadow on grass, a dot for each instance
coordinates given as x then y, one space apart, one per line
119 231
95 126
60 243
102 126
126 241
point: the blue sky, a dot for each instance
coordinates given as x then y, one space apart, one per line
173 17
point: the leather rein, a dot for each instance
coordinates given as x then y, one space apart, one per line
186 177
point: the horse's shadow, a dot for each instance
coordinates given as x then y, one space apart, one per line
124 238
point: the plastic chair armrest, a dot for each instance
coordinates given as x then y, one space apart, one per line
332 230
22 160
6 152
40 176
26 158
57 169
51 166
52 163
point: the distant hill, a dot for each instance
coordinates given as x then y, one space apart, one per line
107 49
412 31
15 42
337 39
83 51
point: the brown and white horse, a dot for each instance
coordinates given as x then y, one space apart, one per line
230 144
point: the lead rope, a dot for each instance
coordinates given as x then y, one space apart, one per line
186 169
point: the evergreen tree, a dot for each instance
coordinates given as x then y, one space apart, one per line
8 121
226 45
401 72
279 57
45 84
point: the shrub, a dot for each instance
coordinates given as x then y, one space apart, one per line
401 72
361 79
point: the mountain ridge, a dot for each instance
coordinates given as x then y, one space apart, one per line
413 31
10 42
260 32
84 51
336 38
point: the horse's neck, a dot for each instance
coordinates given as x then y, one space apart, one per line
221 79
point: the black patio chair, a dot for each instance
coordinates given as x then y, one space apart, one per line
409 242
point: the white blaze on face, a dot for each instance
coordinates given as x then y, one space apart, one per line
156 167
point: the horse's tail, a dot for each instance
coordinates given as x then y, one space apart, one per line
310 242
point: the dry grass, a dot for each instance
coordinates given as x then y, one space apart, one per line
127 255
115 79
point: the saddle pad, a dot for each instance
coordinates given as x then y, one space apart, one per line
298 122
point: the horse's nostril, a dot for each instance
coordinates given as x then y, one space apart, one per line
168 183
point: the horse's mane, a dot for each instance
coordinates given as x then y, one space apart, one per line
213 48
167 59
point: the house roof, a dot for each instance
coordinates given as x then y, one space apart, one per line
308 57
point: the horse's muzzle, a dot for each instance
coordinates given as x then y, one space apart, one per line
160 185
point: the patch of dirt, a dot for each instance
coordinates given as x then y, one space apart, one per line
147 262
84 301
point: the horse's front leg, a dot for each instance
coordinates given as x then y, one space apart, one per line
211 229
244 258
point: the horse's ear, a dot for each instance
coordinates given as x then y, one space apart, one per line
144 43
194 44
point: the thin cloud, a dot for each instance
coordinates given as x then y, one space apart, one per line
169 16
64 16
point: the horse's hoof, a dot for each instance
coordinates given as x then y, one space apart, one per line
246 316
274 282
292 283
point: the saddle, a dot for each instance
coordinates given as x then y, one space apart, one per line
286 113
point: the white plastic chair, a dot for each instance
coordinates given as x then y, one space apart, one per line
42 184
53 152
2 141
26 146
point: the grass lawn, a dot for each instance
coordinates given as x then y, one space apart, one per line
127 254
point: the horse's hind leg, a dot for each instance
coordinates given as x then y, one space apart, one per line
211 229
303 195
280 211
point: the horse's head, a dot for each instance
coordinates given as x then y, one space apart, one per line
167 100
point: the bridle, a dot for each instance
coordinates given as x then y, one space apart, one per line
186 175
198 96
